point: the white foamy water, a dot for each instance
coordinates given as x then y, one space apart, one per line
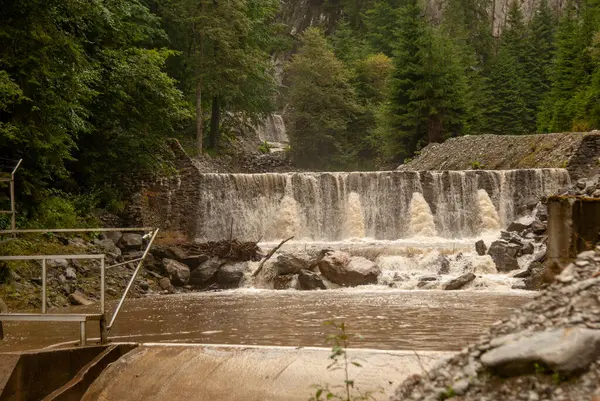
422 223
355 223
376 205
490 221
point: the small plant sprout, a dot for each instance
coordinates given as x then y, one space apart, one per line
339 341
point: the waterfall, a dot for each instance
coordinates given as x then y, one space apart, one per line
355 223
421 220
490 221
273 130
378 205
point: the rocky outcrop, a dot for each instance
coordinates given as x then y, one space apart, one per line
480 248
341 269
78 298
577 151
547 350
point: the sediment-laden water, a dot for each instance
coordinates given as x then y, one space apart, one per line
387 319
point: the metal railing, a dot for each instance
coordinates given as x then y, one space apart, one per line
66 317
12 210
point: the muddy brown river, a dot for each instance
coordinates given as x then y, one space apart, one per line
386 319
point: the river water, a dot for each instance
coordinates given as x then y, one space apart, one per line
385 318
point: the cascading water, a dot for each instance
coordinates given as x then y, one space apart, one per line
422 223
375 205
490 221
355 223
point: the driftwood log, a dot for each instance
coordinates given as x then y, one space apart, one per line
269 256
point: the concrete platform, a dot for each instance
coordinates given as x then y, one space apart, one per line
182 372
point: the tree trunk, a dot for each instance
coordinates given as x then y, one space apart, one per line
434 129
214 123
199 125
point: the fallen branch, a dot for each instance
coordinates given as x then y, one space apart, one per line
269 255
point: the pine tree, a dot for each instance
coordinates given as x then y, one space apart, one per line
321 105
225 63
507 86
428 84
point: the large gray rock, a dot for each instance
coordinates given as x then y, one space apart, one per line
107 246
520 225
70 273
58 263
206 273
114 236
504 255
480 247
78 298
165 284
230 275
443 264
340 268
287 263
179 274
308 280
459 282
564 350
131 241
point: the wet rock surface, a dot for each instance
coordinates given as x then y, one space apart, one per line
340 268
547 350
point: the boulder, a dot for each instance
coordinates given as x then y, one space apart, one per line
564 350
443 264
179 274
230 275
58 263
107 246
504 255
340 268
205 273
527 248
131 241
308 280
70 273
480 248
538 228
144 285
165 284
286 282
287 263
114 236
78 298
520 225
459 282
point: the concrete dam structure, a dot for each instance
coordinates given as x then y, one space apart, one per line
386 205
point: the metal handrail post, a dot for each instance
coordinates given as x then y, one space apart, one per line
102 286
137 269
43 285
13 221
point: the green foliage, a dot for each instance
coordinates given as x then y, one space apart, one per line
84 97
475 165
428 87
448 393
340 341
322 105
264 147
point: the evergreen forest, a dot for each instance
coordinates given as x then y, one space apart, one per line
90 90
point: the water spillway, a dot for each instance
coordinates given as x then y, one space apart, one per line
384 205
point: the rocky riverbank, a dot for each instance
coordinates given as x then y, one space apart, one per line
548 350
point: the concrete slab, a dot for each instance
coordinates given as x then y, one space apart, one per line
243 373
